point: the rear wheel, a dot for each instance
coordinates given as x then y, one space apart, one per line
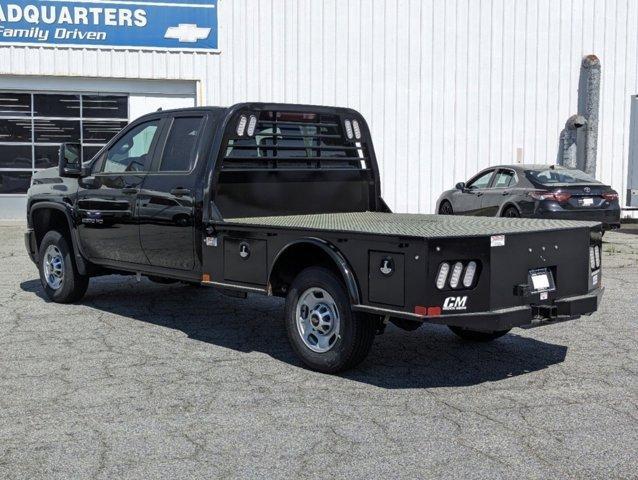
476 335
58 274
446 208
322 328
511 212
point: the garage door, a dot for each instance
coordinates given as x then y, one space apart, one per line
34 123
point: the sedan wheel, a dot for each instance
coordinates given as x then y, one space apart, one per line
511 212
446 209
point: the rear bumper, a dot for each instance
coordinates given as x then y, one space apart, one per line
526 316
30 244
610 218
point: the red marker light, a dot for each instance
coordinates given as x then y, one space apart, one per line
419 310
560 197
610 196
434 311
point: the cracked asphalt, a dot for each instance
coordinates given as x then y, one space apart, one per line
148 381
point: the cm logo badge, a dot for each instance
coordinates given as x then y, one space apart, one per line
455 303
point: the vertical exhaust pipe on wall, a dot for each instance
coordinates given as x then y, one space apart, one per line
588 107
569 141
579 138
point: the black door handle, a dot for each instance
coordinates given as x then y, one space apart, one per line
479 194
180 192
505 193
130 190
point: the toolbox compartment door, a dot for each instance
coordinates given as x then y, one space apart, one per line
386 278
245 260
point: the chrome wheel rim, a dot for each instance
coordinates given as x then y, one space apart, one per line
53 267
317 320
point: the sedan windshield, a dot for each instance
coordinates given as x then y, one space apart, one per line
559 175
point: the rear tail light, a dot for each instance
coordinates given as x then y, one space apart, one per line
456 274
610 196
441 277
594 257
468 278
560 197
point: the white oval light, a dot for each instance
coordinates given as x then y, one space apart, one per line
241 126
468 278
252 123
349 133
597 255
444 269
357 129
592 258
456 274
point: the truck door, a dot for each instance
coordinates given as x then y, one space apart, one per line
498 193
168 196
107 200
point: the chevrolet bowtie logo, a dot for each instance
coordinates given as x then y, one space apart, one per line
187 33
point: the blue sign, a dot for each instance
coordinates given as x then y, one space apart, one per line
153 24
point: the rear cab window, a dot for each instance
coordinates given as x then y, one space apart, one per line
180 150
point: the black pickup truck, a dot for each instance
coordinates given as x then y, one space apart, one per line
285 200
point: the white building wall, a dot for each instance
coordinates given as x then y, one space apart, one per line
448 86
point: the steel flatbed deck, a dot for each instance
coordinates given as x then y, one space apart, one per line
408 224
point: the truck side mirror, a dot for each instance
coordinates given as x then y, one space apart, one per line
70 160
460 186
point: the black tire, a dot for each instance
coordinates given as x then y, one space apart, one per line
73 285
355 334
511 212
446 208
477 336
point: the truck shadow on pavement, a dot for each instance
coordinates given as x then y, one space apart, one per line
429 357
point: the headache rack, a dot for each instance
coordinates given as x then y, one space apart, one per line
292 141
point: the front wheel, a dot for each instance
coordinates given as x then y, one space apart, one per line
322 328
58 274
476 335
446 208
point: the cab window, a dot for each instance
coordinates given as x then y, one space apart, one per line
504 179
180 151
131 153
482 181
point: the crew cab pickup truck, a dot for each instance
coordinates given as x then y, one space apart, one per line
285 200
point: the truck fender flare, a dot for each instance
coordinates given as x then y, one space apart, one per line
337 257
75 241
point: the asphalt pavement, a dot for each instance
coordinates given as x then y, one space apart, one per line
145 381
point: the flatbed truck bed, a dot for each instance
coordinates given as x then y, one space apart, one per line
286 200
410 225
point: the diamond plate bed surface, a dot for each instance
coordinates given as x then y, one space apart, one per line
410 224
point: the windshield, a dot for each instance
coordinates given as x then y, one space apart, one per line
553 176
